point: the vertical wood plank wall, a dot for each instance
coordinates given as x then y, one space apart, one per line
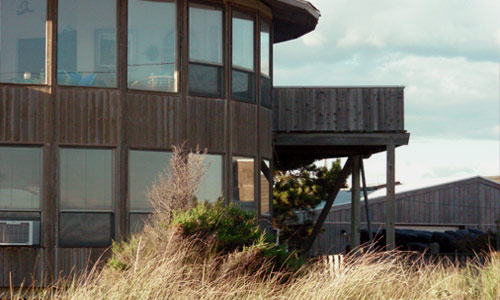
454 204
327 109
55 116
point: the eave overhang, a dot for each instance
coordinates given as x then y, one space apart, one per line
292 18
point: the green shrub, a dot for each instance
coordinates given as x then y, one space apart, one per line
230 229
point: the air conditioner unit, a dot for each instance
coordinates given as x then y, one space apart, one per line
19 233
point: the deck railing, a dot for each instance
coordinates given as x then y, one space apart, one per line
338 109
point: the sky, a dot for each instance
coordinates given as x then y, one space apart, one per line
447 55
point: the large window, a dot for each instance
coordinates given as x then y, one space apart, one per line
86 53
243 81
145 167
265 187
265 65
205 50
20 178
22 41
244 182
86 197
152 51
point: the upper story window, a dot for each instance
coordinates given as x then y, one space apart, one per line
265 64
20 178
243 84
86 52
205 50
152 51
22 41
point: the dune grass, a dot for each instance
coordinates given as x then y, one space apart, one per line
162 262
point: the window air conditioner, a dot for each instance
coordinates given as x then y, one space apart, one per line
19 233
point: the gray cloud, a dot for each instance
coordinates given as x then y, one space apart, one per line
445 52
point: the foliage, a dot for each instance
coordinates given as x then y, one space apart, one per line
300 190
227 229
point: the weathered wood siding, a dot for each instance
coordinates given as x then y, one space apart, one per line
23 114
87 116
472 203
325 109
154 121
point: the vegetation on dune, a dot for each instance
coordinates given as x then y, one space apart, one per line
201 251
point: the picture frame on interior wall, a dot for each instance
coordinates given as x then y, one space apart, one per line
105 48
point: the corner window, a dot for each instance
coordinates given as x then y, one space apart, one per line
144 169
86 51
244 182
20 178
265 187
152 50
22 41
205 51
86 197
265 65
243 81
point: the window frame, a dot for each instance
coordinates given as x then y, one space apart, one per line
47 65
111 212
221 68
178 53
262 76
118 71
256 197
253 14
40 196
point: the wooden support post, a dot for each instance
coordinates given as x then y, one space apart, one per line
390 206
355 203
367 209
339 183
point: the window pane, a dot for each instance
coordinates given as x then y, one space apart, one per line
205 80
265 49
243 182
22 41
86 179
243 86
20 178
86 229
152 39
205 34
211 183
145 166
137 222
265 186
265 91
243 41
87 43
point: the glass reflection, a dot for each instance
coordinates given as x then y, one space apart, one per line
243 41
145 166
265 49
152 51
86 52
20 178
205 50
22 41
86 179
265 187
244 182
210 189
86 229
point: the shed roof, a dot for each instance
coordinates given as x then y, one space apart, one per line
292 18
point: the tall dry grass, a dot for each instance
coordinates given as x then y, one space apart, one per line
160 263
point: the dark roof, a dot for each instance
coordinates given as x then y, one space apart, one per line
292 18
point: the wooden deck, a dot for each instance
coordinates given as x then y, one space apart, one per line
338 121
